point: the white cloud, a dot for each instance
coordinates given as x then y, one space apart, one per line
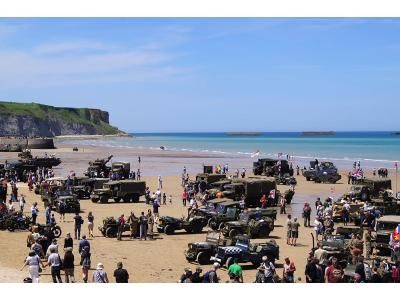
66 47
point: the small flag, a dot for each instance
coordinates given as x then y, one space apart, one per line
272 194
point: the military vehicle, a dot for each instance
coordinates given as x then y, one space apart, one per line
324 172
272 167
250 189
245 251
19 168
367 189
336 246
207 169
384 228
386 207
169 225
201 252
251 223
337 214
121 168
204 180
285 179
218 211
53 199
110 227
347 232
127 190
55 229
40 162
99 168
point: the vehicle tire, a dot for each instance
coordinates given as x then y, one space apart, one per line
57 231
111 232
222 225
197 228
135 198
212 223
169 230
203 258
117 199
263 232
317 180
11 227
233 233
103 199
95 200
127 198
159 230
308 178
229 262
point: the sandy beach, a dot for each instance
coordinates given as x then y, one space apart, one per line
160 260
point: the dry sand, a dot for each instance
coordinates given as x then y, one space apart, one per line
162 259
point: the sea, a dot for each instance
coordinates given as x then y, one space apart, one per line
371 149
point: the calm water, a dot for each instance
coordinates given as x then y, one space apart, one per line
373 149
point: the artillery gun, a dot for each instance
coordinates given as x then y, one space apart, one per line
99 168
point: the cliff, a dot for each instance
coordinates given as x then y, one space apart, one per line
33 119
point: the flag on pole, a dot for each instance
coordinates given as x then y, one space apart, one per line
272 194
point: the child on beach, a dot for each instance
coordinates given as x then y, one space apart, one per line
170 199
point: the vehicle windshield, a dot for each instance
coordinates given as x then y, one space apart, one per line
220 209
63 193
231 212
210 206
385 226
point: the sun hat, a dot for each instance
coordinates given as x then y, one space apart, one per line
216 265
100 266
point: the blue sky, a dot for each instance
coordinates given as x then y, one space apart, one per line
160 75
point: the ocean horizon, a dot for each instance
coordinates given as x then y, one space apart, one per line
374 149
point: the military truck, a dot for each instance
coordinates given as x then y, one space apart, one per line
126 190
285 179
272 167
218 211
324 172
169 225
384 228
110 227
366 189
336 246
337 214
250 189
121 168
204 180
201 252
251 223
99 168
245 251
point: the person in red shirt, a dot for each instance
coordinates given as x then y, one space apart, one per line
396 273
184 198
334 273
121 225
263 201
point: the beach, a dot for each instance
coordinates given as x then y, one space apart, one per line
162 259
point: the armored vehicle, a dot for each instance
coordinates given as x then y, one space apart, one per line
127 190
201 252
245 252
251 223
218 211
370 188
169 225
99 168
110 227
40 162
121 168
285 179
272 167
384 228
324 172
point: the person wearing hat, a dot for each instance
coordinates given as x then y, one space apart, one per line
33 261
54 246
69 265
269 269
121 275
100 276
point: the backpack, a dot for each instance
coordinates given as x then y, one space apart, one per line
367 271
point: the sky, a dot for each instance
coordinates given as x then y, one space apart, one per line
209 75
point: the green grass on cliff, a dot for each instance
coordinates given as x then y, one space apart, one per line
43 112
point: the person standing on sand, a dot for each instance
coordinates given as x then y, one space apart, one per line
156 206
34 211
307 214
143 226
33 261
294 231
160 182
138 174
69 265
121 226
85 262
68 241
318 203
134 224
282 202
78 221
100 276
150 220
164 199
90 219
121 275
22 203
170 199
288 229
184 197
288 271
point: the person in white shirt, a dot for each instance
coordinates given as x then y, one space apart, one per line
54 261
